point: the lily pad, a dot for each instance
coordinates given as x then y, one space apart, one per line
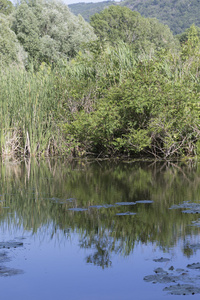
96 206
11 244
196 223
194 246
144 201
68 200
4 272
55 199
128 213
78 209
189 208
108 205
187 205
161 278
125 203
160 270
191 211
194 266
4 257
182 289
102 206
162 259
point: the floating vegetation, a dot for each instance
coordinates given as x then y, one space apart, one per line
62 201
144 201
182 289
196 223
3 257
191 208
128 213
194 266
96 206
78 209
4 271
125 203
162 259
70 199
102 206
191 282
99 206
108 205
11 244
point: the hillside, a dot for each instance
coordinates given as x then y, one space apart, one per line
89 9
177 14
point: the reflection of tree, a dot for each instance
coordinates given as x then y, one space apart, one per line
103 244
38 193
103 247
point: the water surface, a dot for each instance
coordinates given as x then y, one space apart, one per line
94 230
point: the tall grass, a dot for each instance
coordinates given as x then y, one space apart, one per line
28 108
38 108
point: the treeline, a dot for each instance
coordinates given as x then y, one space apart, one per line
41 31
121 86
177 14
86 10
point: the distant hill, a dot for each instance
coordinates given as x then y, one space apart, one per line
177 14
88 9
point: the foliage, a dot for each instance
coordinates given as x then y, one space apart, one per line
28 119
178 15
133 91
48 31
86 10
183 37
10 49
6 7
146 113
116 24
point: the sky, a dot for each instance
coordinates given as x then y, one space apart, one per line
78 1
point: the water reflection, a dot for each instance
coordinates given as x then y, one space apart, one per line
47 197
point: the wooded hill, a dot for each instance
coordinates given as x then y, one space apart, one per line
177 14
86 10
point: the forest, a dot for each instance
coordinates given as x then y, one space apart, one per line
177 14
86 10
121 86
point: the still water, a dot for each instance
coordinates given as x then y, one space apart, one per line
97 230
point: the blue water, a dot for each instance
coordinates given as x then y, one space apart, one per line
53 257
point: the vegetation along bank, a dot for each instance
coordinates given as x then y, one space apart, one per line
121 85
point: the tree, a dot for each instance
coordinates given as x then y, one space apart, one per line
117 23
6 7
26 28
49 31
10 49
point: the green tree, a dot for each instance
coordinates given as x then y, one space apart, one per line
26 28
10 49
6 7
48 31
117 23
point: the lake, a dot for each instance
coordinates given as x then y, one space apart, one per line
99 230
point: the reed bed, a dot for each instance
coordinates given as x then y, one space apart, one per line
28 108
38 108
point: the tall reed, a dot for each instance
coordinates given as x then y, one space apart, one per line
28 106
